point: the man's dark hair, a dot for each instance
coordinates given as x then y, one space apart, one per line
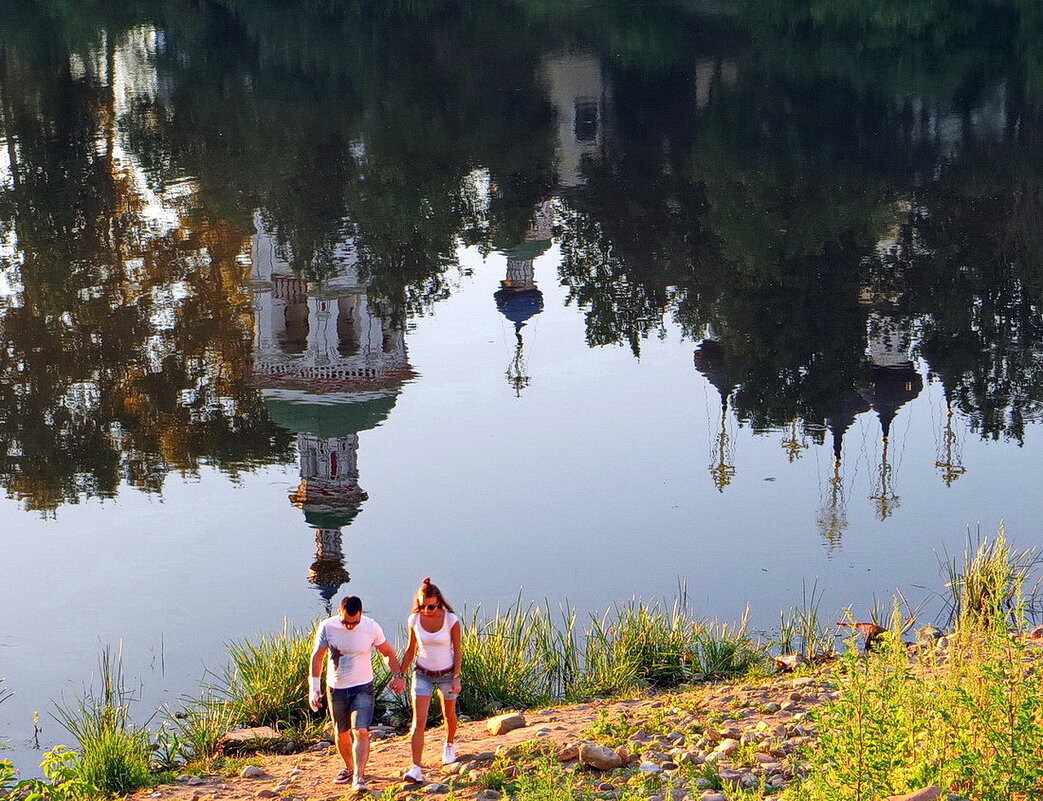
351 605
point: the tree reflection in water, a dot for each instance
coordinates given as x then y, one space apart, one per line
788 186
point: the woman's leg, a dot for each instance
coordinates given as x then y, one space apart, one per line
421 704
449 713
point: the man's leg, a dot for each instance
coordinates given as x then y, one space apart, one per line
344 748
341 714
362 705
361 752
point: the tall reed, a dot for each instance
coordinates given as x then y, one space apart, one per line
114 755
967 720
989 585
505 660
266 680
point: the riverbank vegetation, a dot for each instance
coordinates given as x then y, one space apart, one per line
961 712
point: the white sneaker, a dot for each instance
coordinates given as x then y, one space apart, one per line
448 754
415 774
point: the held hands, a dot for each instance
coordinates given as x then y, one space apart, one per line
397 683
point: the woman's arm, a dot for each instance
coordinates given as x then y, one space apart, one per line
454 636
410 652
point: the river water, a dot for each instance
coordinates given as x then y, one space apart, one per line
546 300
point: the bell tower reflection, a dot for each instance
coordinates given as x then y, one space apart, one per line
832 517
710 361
518 298
889 382
330 367
949 460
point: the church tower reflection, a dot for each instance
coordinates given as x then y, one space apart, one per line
330 367
889 382
832 517
518 298
710 361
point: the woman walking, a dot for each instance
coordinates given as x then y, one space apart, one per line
434 639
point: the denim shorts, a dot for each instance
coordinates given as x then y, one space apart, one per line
352 707
424 686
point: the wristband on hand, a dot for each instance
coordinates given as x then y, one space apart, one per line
314 684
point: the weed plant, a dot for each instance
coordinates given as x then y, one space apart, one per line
200 724
266 681
967 720
113 754
801 629
505 661
7 770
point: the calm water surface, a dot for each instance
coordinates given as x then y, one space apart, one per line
568 300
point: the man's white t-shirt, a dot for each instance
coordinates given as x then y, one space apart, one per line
349 660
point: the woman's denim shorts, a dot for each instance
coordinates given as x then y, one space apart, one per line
424 686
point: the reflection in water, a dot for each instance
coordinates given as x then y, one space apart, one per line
518 298
834 226
342 381
711 361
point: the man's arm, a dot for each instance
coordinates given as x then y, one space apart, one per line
398 679
318 656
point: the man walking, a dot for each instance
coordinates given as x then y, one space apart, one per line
350 638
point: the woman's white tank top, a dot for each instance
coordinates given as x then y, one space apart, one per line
434 648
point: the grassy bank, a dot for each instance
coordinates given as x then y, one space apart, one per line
964 713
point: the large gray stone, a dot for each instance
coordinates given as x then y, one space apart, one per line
243 741
599 756
501 724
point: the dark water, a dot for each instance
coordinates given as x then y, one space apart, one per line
582 298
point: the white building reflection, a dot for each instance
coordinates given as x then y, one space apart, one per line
330 367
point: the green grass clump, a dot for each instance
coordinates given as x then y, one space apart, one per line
989 586
643 644
114 756
968 720
522 657
266 680
200 724
505 662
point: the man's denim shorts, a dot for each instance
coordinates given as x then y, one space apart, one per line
424 686
352 707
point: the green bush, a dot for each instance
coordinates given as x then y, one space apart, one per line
504 661
113 755
967 720
266 681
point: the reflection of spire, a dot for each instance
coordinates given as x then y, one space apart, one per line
709 360
327 571
793 446
518 298
884 496
722 470
832 518
516 371
890 382
950 459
